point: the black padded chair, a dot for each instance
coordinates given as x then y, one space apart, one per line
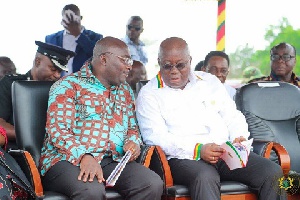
30 102
139 85
272 111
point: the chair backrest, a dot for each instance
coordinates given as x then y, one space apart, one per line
30 103
272 111
139 85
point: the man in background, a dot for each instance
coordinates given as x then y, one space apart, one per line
134 28
283 62
217 63
75 38
6 66
199 66
48 63
136 74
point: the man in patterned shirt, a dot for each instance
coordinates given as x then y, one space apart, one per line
90 125
283 61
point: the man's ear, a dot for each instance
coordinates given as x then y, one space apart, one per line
37 61
102 59
203 68
158 61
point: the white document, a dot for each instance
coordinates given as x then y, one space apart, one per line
113 177
236 155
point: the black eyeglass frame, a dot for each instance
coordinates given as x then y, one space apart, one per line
127 61
284 57
179 66
129 27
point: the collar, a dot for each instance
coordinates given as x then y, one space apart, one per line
66 32
192 79
128 41
85 73
274 77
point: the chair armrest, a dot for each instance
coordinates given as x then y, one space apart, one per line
283 158
264 149
27 164
145 155
160 165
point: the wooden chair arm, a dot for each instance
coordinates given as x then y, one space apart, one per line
283 157
165 167
267 149
28 166
146 155
264 149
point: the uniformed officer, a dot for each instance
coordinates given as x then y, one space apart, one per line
49 62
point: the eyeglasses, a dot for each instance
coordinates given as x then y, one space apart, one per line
179 66
127 61
215 71
284 57
135 28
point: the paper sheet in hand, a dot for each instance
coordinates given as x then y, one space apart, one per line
113 177
236 155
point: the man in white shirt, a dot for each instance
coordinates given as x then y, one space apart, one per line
189 115
217 63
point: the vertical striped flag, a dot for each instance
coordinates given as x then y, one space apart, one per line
221 25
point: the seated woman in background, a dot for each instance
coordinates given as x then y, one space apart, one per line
13 182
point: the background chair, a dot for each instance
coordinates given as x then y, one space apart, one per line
272 111
30 103
139 85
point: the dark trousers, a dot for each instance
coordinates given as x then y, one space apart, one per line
203 179
136 182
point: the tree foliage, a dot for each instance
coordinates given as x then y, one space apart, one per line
246 56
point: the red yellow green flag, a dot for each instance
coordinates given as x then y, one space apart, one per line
221 25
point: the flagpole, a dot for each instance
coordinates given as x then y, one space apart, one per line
221 25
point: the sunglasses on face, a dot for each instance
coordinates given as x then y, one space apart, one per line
284 57
135 28
179 66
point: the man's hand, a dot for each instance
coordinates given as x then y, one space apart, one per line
239 139
211 152
72 25
134 148
89 168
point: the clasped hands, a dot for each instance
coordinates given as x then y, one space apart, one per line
90 168
211 152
